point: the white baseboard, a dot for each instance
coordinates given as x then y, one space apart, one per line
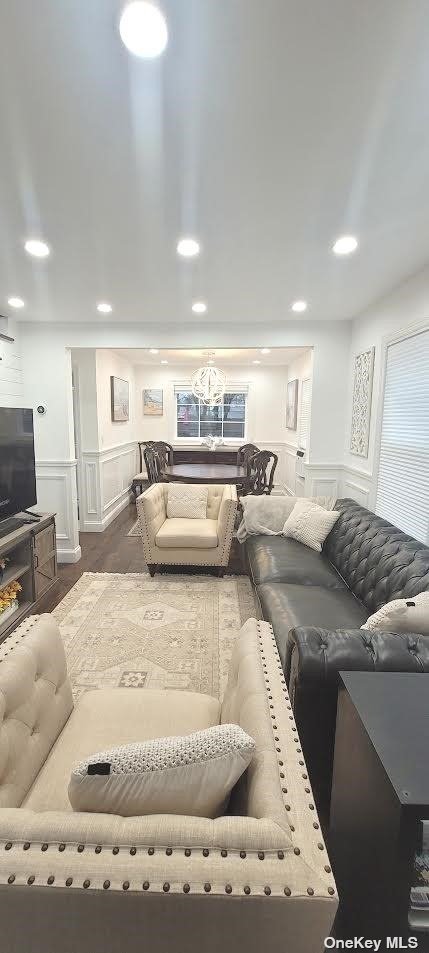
69 555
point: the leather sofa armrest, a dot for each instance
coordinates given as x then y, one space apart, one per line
316 656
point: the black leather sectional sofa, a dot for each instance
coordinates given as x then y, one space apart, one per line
317 604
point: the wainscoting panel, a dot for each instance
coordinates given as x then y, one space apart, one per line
290 479
357 485
107 478
56 493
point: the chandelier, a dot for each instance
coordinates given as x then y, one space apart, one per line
208 383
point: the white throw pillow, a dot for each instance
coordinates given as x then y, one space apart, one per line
402 615
185 501
310 524
190 774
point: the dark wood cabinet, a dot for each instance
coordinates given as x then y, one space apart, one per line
380 796
204 455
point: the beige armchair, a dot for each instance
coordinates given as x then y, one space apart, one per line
257 877
187 542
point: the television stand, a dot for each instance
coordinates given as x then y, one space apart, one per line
33 517
30 553
12 523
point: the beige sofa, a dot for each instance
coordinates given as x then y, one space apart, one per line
92 883
187 542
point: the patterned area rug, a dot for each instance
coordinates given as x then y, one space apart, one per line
128 630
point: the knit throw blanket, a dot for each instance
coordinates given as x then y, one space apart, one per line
266 515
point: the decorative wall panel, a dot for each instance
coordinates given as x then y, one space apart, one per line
361 406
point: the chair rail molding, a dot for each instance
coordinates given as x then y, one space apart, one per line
106 482
57 492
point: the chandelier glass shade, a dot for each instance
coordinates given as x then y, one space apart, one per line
208 384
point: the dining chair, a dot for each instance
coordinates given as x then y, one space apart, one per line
166 458
245 453
262 469
165 452
141 480
153 465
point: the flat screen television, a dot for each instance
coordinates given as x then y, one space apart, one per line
17 466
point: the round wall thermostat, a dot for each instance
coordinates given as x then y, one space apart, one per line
41 409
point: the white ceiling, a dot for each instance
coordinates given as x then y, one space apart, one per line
224 356
268 128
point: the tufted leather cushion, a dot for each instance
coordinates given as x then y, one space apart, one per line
377 561
316 657
276 559
286 606
35 703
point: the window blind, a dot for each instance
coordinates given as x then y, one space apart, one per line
304 424
403 476
231 387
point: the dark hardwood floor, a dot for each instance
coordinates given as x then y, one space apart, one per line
114 551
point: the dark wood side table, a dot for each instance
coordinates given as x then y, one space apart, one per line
380 795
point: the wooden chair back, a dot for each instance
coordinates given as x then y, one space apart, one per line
245 454
263 467
152 463
164 450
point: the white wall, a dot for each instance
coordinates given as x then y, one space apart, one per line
11 386
47 379
265 406
107 458
404 308
300 369
85 381
113 433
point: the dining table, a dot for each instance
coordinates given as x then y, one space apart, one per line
206 473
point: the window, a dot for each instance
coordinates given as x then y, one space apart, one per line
403 476
227 420
304 424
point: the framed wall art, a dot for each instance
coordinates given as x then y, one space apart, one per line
292 404
120 399
153 403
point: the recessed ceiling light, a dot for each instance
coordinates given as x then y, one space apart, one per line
164 362
104 307
345 245
16 302
37 248
143 29
199 307
188 247
265 350
256 362
299 306
153 350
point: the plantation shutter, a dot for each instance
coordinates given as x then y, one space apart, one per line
403 477
304 426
